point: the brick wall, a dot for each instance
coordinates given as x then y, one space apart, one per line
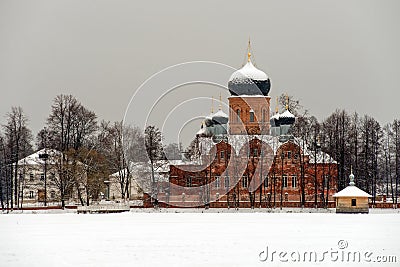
260 106
200 184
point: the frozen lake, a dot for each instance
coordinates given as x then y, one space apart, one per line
196 239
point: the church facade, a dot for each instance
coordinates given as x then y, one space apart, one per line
249 158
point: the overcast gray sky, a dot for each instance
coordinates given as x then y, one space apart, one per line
329 54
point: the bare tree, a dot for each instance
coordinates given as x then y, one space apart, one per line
134 144
69 124
2 170
84 127
61 121
90 170
65 167
302 129
192 151
18 140
153 143
293 105
111 144
396 139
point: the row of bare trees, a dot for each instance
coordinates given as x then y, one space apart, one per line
89 151
15 143
355 142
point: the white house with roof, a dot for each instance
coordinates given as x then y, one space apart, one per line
32 171
39 179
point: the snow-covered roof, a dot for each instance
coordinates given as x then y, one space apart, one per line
220 113
34 159
275 116
116 174
244 96
161 166
287 114
238 141
322 157
249 71
201 131
352 191
210 116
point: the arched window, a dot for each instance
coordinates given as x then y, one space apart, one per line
238 115
251 115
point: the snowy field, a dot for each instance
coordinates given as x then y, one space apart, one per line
200 239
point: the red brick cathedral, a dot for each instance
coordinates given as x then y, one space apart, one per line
249 158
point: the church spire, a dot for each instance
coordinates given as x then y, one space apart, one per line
287 102
220 102
249 51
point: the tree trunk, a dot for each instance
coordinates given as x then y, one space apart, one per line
7 177
80 196
397 160
87 197
1 190
315 179
62 200
12 188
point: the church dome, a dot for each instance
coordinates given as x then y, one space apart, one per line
249 81
220 117
287 118
275 120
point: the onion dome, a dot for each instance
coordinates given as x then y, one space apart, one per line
249 81
287 118
204 129
220 117
275 120
208 121
351 177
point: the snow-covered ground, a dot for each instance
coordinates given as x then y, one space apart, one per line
176 238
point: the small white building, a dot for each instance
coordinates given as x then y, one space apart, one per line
352 199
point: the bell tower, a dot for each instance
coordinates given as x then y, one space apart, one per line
249 103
